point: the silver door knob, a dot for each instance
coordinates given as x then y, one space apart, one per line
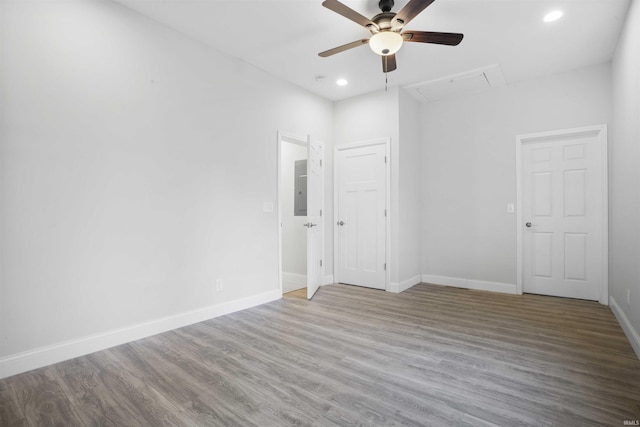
341 223
528 225
309 225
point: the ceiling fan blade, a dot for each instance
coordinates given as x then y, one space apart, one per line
389 63
451 39
348 13
410 11
343 48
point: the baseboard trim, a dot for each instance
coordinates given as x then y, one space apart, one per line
293 281
632 335
48 355
396 288
298 279
479 285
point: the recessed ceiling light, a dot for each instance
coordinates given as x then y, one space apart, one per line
341 82
552 16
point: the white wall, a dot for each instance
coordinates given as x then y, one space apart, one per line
469 168
373 116
393 114
294 234
135 164
410 191
366 117
624 237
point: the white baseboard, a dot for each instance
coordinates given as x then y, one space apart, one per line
479 285
48 355
328 279
293 281
627 327
396 288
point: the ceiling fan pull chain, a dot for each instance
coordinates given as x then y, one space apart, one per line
386 81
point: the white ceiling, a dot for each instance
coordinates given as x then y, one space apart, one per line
283 37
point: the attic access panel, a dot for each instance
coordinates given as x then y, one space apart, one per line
457 84
454 86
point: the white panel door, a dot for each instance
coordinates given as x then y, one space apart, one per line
360 216
563 206
315 226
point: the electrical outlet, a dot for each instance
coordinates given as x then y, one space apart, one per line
218 285
628 296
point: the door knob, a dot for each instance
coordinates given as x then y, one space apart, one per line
341 223
528 225
309 225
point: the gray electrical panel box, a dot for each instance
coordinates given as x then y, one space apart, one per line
300 188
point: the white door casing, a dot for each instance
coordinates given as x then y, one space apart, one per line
562 213
315 219
362 214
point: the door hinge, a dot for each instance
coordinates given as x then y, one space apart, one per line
320 162
320 212
385 159
385 266
320 263
385 212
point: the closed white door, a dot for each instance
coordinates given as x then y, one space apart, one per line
361 216
315 226
564 213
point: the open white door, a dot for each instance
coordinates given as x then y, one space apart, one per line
315 225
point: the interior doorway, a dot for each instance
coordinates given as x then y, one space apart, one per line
562 215
293 213
362 207
300 205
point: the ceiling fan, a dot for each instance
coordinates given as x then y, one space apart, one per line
386 36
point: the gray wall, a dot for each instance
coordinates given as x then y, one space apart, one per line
624 160
392 114
410 191
469 166
130 179
368 117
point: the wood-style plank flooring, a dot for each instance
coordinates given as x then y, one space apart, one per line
298 293
353 356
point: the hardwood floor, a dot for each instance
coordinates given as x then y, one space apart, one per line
353 356
298 293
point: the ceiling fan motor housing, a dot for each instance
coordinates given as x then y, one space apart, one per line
383 21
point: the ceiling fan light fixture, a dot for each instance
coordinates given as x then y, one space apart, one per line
385 42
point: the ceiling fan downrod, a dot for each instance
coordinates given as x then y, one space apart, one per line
385 5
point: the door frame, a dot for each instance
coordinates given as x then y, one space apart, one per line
304 142
336 205
597 130
293 139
